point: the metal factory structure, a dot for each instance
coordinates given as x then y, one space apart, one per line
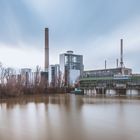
54 75
119 78
71 67
70 70
67 72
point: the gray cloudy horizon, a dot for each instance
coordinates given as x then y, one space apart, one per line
92 28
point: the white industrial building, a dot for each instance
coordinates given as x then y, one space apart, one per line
54 75
71 67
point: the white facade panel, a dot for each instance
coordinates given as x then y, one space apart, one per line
74 75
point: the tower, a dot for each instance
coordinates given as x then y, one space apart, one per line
46 49
121 55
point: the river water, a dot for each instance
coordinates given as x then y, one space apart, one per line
70 117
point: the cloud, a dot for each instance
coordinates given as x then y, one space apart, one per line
107 47
9 25
21 57
18 24
92 28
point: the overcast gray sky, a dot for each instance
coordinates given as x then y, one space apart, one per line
92 28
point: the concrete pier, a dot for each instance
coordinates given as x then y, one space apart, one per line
90 92
132 92
110 92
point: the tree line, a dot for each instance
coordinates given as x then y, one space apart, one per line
15 84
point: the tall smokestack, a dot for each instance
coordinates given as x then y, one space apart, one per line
117 63
105 64
121 57
46 49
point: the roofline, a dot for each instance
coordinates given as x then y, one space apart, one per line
105 69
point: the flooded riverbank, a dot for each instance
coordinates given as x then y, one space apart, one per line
70 117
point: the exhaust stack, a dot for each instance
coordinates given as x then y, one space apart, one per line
121 55
117 63
105 64
46 49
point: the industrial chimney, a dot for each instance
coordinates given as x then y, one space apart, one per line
117 63
46 49
121 56
105 64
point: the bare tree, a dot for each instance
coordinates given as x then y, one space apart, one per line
10 74
2 71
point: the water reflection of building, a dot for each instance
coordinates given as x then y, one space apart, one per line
71 67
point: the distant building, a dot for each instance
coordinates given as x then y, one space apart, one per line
113 77
44 77
54 75
12 80
109 78
26 76
107 72
71 67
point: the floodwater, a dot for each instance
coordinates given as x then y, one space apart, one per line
70 117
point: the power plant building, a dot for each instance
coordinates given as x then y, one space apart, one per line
71 67
26 76
110 78
107 72
54 75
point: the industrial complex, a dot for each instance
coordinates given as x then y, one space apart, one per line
70 70
115 80
70 73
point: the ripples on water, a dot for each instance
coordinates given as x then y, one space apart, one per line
70 117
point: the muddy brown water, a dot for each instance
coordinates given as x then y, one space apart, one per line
70 117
